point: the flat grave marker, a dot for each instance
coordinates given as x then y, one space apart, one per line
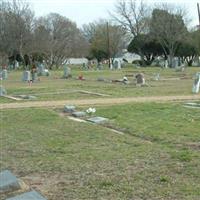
8 182
98 120
79 114
33 195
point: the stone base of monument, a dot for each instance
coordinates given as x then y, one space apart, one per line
98 120
32 195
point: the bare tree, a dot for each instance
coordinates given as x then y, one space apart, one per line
64 38
16 19
132 16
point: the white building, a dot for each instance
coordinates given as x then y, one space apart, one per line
77 61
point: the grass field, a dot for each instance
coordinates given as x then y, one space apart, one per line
156 158
55 88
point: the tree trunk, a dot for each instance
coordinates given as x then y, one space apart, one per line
170 59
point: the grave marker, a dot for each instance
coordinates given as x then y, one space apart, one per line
33 195
69 108
79 114
196 84
8 182
98 120
26 76
67 72
140 79
2 91
117 64
4 74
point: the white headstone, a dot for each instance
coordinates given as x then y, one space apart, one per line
196 84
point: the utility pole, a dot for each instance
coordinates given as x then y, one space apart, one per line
198 13
108 43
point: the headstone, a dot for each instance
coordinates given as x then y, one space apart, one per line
79 114
2 91
192 104
196 84
100 79
67 72
8 182
117 64
140 79
69 108
97 120
99 66
4 74
41 69
85 67
26 76
33 195
157 77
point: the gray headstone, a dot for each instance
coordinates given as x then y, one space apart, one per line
40 69
69 108
33 76
100 79
26 76
117 64
79 114
67 72
98 120
33 195
2 91
8 182
157 77
140 79
4 74
99 66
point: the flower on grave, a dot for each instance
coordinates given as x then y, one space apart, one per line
90 111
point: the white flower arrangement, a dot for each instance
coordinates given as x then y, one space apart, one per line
90 111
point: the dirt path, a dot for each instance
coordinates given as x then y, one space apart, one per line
99 101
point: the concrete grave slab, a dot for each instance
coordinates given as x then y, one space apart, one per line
79 114
8 182
98 120
69 108
29 97
192 105
33 195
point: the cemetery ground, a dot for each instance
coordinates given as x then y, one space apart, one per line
156 157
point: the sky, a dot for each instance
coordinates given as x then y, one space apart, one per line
85 11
